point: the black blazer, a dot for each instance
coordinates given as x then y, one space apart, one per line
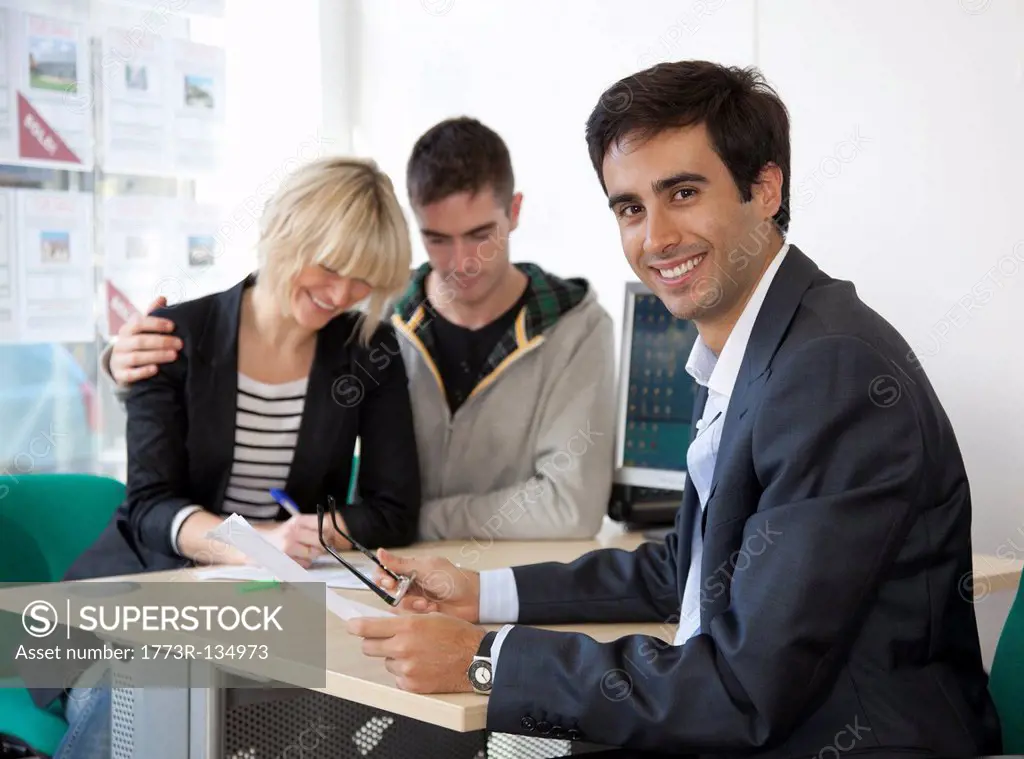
181 437
836 612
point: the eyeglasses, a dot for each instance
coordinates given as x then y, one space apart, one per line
403 583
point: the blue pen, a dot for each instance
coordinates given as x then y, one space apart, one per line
282 498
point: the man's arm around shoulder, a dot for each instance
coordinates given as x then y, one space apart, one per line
142 344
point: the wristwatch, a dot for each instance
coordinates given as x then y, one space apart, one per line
481 675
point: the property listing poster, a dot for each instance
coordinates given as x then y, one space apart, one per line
8 260
136 103
156 246
54 278
136 256
196 251
213 8
198 87
163 105
46 108
8 120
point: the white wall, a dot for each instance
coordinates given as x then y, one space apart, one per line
532 70
925 216
907 128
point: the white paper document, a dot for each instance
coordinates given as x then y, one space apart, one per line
238 533
335 576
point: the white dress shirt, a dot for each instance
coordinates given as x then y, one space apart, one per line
499 598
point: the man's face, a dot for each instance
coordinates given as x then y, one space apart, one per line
685 229
466 237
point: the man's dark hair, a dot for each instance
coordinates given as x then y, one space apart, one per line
459 155
746 121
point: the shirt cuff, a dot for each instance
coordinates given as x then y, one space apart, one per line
499 597
496 649
178 520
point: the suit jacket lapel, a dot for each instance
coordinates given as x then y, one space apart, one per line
218 401
780 304
691 501
322 418
686 518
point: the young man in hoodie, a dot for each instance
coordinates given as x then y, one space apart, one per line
511 369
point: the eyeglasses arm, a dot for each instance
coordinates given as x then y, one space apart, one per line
403 582
355 544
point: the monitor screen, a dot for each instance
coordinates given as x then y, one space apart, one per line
657 393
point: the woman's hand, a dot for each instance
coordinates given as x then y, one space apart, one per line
333 537
297 537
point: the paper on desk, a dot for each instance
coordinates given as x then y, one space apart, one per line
329 561
333 577
238 533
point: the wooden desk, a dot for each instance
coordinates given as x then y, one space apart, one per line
355 677
993 574
360 679
198 729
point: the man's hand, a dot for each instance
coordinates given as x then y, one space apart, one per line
141 346
428 653
440 586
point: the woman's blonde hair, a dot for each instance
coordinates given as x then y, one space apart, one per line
340 213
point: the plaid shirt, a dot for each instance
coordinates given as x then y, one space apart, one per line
547 298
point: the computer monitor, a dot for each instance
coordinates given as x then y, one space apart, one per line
656 395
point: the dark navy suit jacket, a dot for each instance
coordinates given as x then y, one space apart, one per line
836 611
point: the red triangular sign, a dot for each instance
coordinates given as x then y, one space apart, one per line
36 139
119 309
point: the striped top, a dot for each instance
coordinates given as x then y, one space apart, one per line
267 423
267 419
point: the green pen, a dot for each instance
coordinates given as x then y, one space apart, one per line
248 587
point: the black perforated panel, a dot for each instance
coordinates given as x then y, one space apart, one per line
122 712
316 725
503 746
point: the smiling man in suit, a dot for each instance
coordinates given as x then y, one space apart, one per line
816 566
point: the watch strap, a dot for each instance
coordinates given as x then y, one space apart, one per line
485 645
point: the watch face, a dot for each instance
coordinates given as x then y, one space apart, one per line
480 675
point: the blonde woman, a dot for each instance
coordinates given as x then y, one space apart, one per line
274 381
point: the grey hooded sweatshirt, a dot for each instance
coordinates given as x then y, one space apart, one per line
529 454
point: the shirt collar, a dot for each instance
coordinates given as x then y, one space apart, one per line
718 373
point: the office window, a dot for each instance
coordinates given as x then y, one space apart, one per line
57 411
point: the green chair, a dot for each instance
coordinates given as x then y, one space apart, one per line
46 522
63 513
42 729
1006 682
